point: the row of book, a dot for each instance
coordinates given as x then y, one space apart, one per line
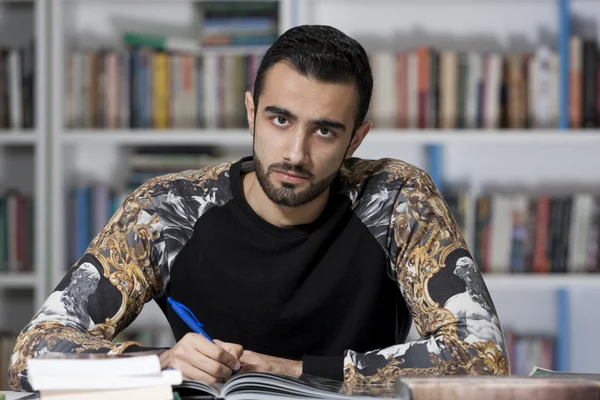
17 87
239 22
522 233
7 344
431 88
16 232
528 351
145 88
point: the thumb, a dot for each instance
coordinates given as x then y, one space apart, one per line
235 350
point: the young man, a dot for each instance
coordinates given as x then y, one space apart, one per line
299 259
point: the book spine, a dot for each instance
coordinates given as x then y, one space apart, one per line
160 90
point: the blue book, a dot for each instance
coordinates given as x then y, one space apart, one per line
82 220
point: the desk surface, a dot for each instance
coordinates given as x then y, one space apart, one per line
14 395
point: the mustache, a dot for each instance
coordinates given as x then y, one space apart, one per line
296 169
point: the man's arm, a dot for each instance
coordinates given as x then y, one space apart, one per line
103 292
445 292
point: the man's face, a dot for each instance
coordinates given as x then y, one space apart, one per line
302 134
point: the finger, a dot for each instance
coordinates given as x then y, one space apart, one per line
234 349
218 354
189 372
204 363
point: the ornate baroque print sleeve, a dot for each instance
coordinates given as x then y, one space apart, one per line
436 274
125 266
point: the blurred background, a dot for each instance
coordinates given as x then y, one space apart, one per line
499 100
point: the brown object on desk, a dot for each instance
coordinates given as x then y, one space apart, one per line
498 388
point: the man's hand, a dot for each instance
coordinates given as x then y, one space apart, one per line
199 359
256 362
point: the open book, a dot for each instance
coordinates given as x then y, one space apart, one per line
259 386
537 371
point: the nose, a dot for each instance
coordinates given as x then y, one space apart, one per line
296 147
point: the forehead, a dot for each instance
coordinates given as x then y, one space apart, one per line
286 87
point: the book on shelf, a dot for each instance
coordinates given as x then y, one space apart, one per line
238 23
429 88
17 87
16 232
89 376
526 351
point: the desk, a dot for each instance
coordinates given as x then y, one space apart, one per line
14 395
499 388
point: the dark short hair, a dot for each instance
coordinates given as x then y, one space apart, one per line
324 53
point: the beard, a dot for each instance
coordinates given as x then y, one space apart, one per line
287 195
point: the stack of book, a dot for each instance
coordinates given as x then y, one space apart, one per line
60 376
235 23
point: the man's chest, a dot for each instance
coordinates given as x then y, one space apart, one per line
245 285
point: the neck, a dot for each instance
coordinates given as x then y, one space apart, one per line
276 214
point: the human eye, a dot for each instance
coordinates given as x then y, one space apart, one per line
280 121
326 133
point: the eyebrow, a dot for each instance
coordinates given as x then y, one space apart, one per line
328 123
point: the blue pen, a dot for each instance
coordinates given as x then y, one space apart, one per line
190 319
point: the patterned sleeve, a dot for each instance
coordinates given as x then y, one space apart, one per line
102 293
443 288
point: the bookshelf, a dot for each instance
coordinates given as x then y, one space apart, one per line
525 157
23 156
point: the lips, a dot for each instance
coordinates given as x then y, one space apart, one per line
291 177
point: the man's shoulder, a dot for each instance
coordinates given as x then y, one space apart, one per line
395 173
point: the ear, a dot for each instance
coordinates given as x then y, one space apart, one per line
359 136
249 101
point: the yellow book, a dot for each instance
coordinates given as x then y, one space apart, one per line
160 90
